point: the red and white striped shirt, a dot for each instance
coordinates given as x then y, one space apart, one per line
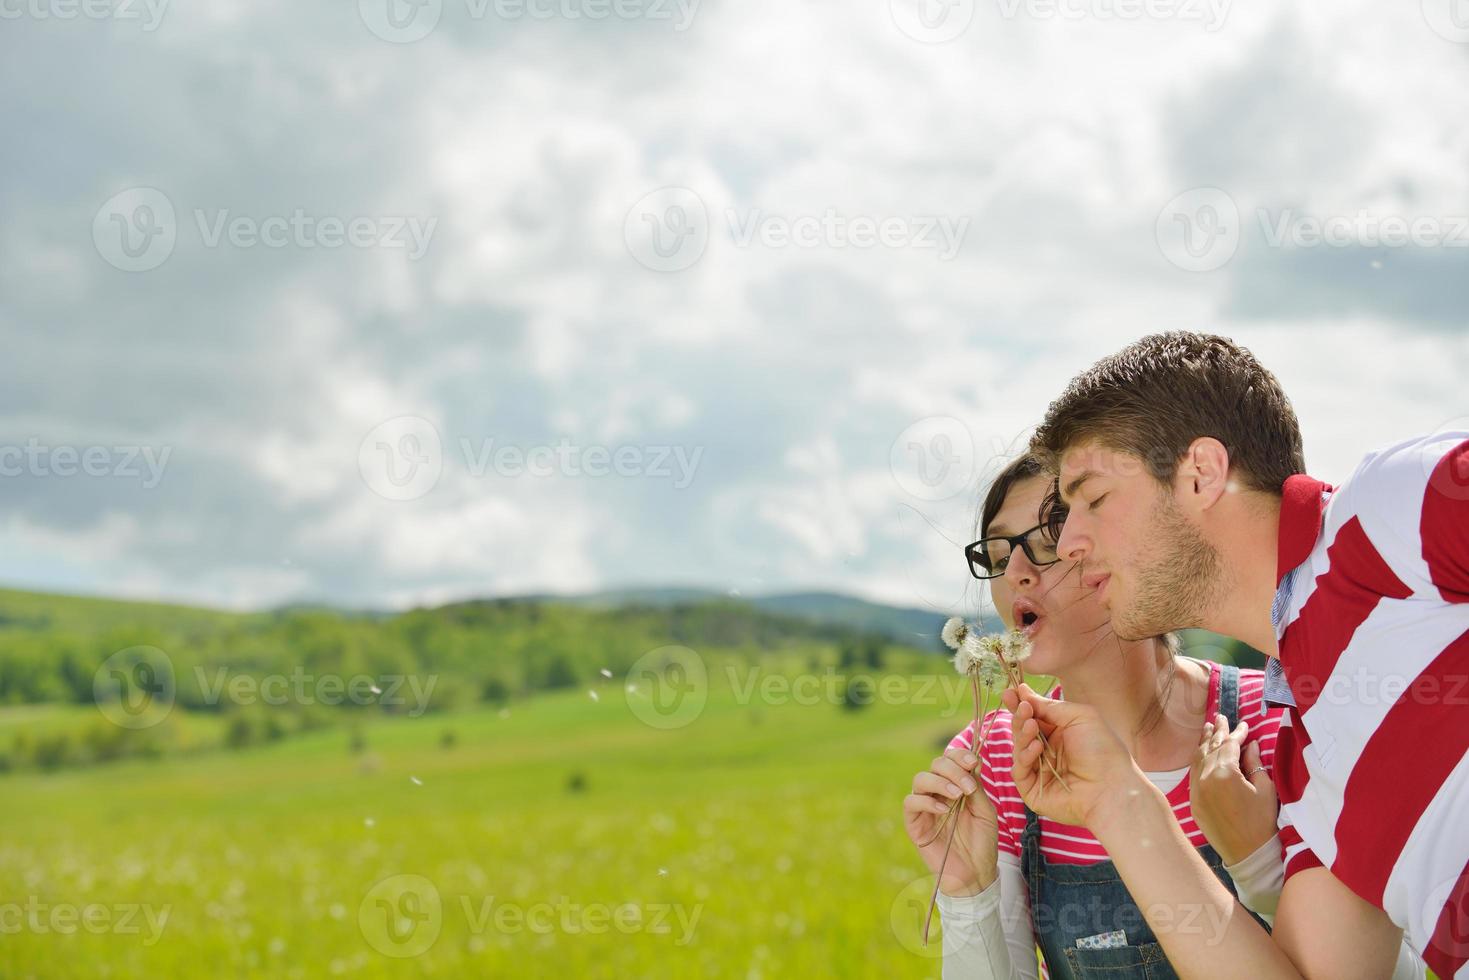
1373 623
1065 844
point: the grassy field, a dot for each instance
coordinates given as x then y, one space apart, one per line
562 836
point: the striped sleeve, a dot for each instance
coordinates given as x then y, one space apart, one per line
995 777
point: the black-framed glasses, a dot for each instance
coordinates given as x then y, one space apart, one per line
989 557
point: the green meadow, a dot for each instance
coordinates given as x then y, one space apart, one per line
563 836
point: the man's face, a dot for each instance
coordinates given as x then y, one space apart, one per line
1150 566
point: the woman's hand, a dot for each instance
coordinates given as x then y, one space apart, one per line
971 867
1235 811
1093 764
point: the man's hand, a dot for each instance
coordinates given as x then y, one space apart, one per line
1233 804
1092 762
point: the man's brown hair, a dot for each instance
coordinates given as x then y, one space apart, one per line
1154 397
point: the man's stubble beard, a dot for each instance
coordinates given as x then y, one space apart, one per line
1177 580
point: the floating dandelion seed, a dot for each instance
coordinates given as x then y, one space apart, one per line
605 673
663 872
415 780
375 689
594 695
369 823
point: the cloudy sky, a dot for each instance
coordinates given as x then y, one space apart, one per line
381 303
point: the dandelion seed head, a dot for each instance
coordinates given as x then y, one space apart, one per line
954 632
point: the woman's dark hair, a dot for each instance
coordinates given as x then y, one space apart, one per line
1022 467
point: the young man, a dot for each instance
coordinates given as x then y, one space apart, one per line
1180 459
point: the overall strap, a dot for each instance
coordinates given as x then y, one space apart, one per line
1229 693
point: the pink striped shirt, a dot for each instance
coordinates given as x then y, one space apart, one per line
1065 844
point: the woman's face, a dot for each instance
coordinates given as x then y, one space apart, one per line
1064 621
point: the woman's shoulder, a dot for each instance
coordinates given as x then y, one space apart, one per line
1252 705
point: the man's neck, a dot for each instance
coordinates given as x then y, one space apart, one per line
1250 550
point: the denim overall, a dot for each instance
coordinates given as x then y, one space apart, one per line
1075 901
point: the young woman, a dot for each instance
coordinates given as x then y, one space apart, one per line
1015 881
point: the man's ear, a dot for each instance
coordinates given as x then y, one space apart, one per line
1203 473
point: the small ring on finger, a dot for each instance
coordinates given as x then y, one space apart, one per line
1254 770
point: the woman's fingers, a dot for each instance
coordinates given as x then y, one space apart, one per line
921 803
967 760
954 772
936 784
